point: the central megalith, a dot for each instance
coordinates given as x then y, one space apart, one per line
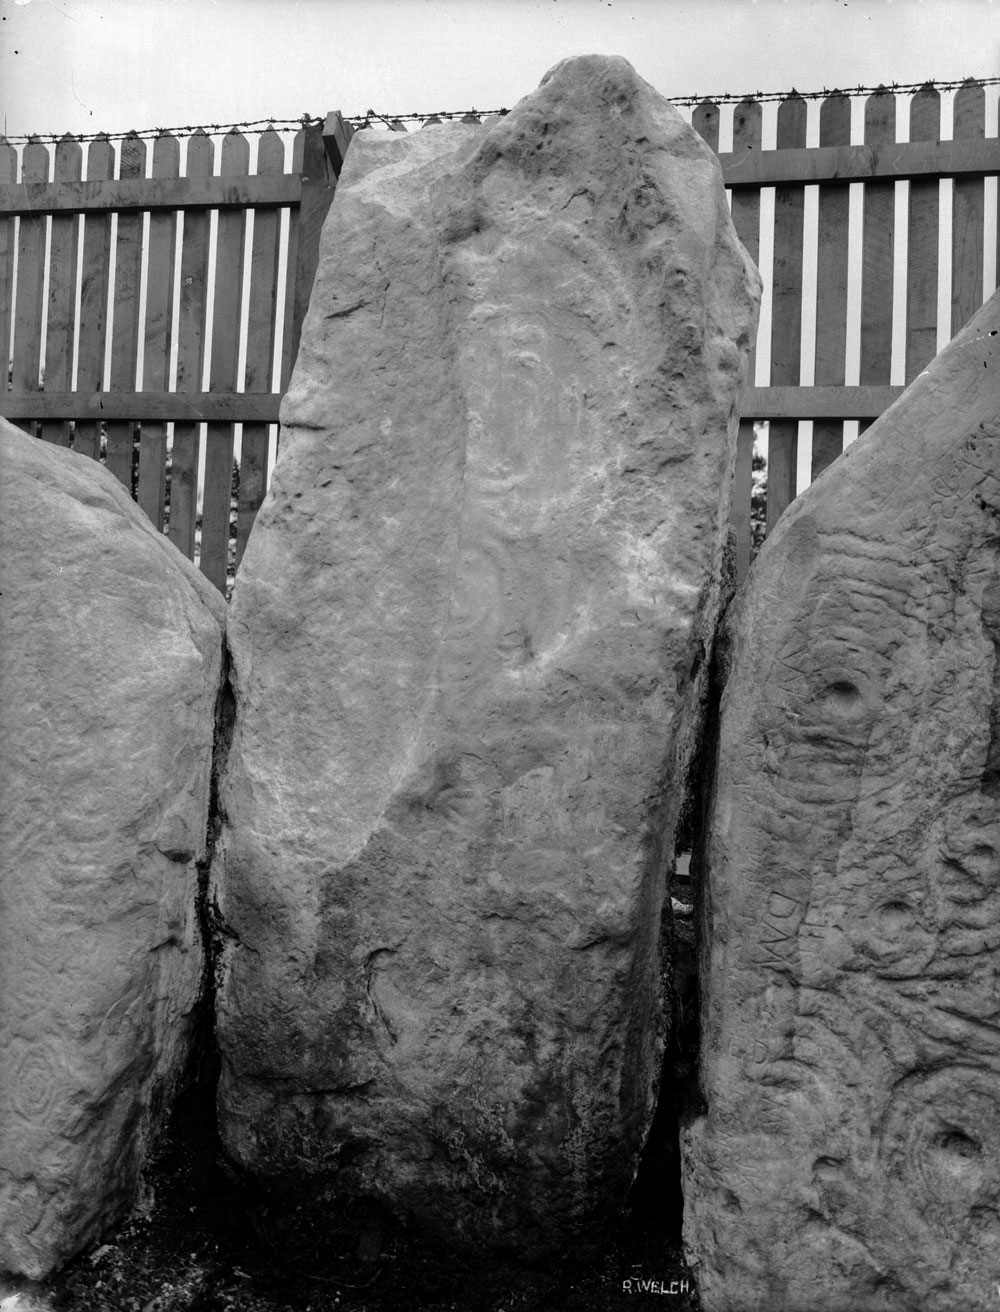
466 640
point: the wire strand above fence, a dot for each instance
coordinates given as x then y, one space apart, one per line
371 115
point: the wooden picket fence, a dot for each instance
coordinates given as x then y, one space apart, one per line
123 273
875 165
118 276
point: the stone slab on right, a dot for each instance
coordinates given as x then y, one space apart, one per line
846 1156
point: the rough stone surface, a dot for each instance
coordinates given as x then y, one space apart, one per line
463 636
849 1157
110 654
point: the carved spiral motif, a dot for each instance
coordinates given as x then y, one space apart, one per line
478 603
35 1083
941 1141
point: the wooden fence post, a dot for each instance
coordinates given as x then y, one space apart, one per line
95 273
740 516
8 174
877 249
318 158
968 212
226 320
747 129
831 282
156 337
125 324
62 291
747 135
922 245
261 331
30 274
786 312
190 351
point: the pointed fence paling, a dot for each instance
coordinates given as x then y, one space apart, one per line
127 276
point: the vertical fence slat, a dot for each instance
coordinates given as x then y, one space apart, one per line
61 326
747 135
922 241
831 282
186 449
156 338
747 132
30 276
263 290
739 515
94 297
705 121
125 321
216 503
968 213
318 185
291 264
877 243
8 174
786 312
261 334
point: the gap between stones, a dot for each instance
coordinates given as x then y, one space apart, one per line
656 1200
198 1085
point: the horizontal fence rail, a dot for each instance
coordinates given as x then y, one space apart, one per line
28 198
158 297
196 407
815 164
157 293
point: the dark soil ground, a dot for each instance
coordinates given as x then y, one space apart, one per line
202 1241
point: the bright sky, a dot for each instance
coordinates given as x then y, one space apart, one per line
112 65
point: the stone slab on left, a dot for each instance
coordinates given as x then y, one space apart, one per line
110 666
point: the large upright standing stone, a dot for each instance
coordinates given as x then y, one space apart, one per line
464 634
849 1157
110 656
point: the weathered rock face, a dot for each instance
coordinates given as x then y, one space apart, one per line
111 650
848 1158
463 636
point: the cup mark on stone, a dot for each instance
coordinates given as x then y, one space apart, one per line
957 1151
841 698
898 937
941 1140
895 919
827 1169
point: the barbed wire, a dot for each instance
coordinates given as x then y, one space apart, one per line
884 88
370 116
257 125
725 97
